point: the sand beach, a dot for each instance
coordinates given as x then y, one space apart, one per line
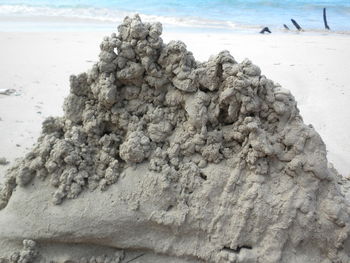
196 139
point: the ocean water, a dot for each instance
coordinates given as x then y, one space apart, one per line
215 15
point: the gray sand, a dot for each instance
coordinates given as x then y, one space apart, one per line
160 158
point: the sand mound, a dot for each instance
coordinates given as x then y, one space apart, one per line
172 160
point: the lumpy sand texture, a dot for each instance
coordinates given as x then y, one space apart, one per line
161 158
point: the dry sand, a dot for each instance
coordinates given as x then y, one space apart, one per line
314 67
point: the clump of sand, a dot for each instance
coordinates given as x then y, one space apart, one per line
181 160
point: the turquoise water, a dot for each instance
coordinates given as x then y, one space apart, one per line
200 14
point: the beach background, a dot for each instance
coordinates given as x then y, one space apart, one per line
44 42
198 15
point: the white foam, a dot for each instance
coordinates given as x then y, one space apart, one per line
110 16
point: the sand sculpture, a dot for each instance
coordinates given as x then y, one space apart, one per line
160 158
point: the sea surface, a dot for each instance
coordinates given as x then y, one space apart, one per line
214 15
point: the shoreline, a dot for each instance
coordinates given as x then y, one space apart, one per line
27 23
313 67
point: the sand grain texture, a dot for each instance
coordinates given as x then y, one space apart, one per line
167 159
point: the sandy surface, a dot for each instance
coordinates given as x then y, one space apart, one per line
38 65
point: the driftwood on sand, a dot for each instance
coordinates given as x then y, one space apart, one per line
325 19
264 30
296 25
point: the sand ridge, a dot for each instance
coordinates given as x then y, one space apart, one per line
196 161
